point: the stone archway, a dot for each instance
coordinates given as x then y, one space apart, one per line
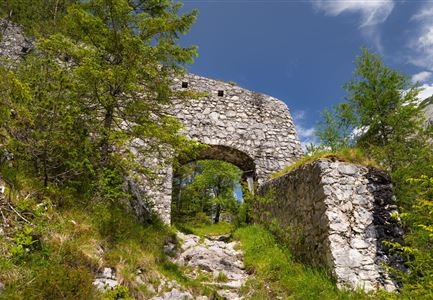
237 158
235 118
250 130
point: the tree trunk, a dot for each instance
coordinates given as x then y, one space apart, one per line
217 214
105 143
179 196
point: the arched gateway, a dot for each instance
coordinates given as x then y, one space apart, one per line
250 130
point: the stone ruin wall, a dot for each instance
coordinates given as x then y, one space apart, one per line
258 125
253 131
339 214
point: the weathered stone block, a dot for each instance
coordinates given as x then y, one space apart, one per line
355 206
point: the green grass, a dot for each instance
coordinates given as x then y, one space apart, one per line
220 228
277 276
351 155
67 248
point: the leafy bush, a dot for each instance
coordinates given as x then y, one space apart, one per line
117 293
24 242
418 282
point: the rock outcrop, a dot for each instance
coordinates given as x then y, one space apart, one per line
427 107
13 43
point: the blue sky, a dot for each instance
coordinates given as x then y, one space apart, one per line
302 52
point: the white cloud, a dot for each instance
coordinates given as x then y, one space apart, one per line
306 134
372 12
422 42
426 92
425 12
421 76
298 115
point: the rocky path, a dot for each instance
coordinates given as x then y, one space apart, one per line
214 262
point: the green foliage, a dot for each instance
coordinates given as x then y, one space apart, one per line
276 275
98 81
111 185
206 186
222 277
24 242
381 108
117 293
38 17
352 155
60 282
245 213
336 127
68 245
418 283
202 230
380 117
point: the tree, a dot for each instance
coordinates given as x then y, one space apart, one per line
122 56
336 128
39 124
38 17
380 116
103 79
209 188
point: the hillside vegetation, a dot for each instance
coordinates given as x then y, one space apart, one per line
97 81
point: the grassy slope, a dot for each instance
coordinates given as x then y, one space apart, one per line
65 248
277 276
203 230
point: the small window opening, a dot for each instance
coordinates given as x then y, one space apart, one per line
184 84
220 93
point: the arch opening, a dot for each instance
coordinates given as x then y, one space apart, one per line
210 188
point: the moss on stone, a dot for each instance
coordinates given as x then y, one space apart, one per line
351 155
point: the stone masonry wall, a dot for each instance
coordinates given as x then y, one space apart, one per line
257 125
339 213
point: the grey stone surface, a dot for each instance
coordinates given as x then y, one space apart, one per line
253 131
106 280
174 294
13 43
214 257
428 111
339 214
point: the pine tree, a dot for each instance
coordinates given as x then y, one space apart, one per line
380 116
99 82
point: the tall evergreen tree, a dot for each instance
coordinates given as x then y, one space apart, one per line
98 83
381 116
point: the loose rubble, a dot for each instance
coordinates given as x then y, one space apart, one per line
220 261
214 262
106 280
